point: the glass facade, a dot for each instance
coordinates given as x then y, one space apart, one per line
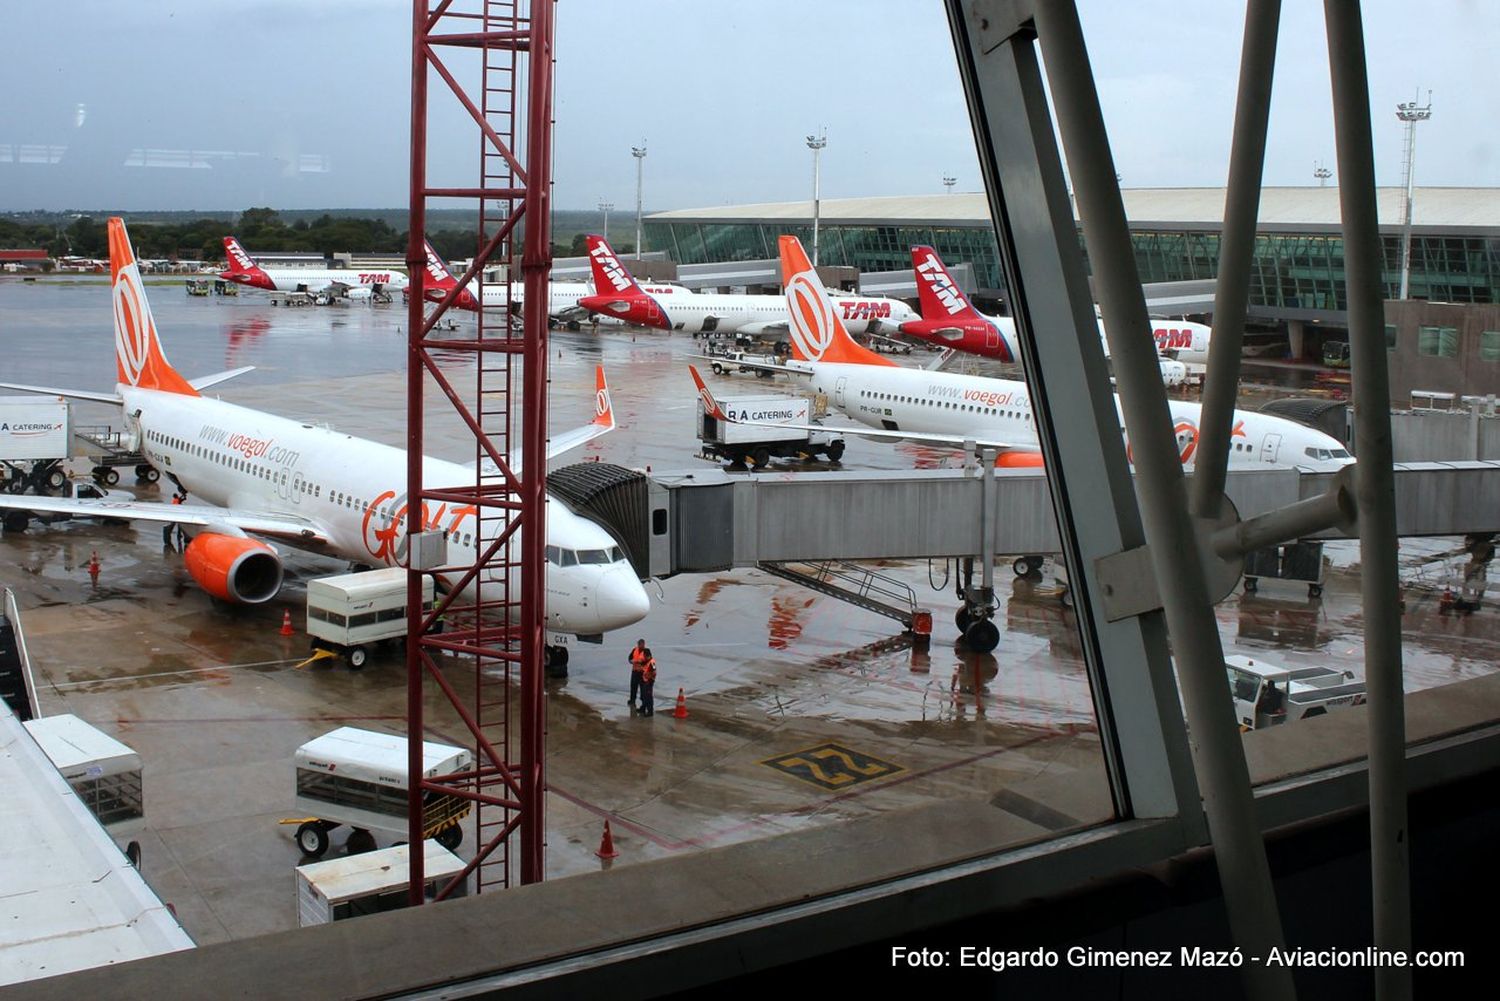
1290 270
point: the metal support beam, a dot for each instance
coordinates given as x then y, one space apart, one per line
1224 777
1380 584
1247 158
1140 718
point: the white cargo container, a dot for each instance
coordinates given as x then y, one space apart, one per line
356 885
350 612
358 777
105 773
34 427
750 434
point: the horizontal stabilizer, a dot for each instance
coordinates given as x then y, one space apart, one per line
204 381
72 394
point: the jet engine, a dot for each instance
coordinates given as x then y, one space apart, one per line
234 568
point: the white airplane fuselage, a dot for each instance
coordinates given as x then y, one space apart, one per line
355 491
722 313
315 280
903 399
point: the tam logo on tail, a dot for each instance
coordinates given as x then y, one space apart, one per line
441 277
237 256
608 271
936 280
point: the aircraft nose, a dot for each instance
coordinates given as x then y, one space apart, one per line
620 599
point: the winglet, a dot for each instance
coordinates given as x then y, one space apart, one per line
710 405
817 334
604 410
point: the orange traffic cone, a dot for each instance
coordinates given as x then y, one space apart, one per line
681 711
607 845
94 567
286 622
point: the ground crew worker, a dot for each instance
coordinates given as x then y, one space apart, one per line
648 684
638 657
171 535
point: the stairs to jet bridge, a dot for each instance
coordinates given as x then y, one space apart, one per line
858 585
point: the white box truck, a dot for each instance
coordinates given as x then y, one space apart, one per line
105 773
745 439
358 777
34 427
350 613
356 885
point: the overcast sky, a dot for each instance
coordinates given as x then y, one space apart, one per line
305 103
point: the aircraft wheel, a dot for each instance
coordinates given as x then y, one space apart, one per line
312 838
963 619
358 657
360 841
982 636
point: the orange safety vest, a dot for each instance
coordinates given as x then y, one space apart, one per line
637 658
648 673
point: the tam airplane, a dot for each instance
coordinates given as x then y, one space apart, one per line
949 319
313 488
562 297
952 408
619 295
350 283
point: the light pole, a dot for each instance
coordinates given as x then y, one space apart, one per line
1411 115
816 144
1322 173
639 152
949 181
605 207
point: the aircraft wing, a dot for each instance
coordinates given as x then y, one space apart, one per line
281 526
765 328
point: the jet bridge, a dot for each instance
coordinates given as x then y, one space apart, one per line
707 520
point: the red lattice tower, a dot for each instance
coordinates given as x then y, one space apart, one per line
493 374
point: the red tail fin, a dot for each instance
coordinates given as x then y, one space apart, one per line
242 267
610 276
817 332
138 356
439 278
940 295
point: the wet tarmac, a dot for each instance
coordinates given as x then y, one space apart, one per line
215 703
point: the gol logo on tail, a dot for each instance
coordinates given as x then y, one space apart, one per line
812 320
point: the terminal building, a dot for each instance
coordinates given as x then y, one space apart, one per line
1447 338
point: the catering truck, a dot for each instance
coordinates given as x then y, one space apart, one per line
349 613
1266 694
753 443
35 435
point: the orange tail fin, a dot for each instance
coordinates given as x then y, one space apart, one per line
817 332
138 356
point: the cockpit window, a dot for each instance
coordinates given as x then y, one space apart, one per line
594 556
1339 453
615 555
569 558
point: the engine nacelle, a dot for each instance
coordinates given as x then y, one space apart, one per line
244 571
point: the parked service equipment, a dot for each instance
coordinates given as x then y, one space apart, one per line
34 427
350 613
358 777
1301 562
754 443
371 883
1266 695
105 773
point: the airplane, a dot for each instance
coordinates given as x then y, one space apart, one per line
349 283
562 297
314 488
953 409
621 296
949 319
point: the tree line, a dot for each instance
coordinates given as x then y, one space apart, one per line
258 230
